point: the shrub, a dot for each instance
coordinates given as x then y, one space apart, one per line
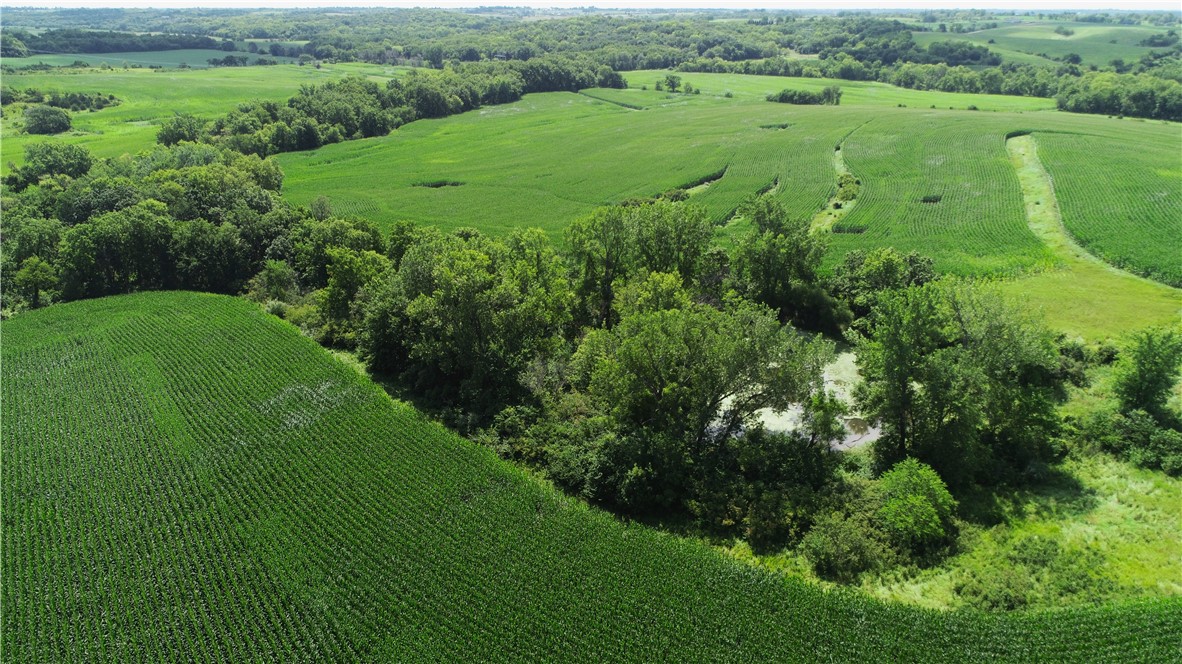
917 509
46 120
841 548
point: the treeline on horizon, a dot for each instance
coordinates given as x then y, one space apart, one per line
850 47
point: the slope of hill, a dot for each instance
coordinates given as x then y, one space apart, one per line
188 479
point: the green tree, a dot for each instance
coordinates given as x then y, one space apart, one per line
1149 367
776 264
46 120
181 127
348 272
917 509
682 385
34 278
466 314
960 379
864 276
672 82
43 159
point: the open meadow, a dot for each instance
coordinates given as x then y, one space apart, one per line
1095 44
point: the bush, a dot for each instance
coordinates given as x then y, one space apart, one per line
46 120
841 548
917 509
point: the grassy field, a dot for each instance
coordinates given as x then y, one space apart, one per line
853 93
194 57
151 96
189 479
1095 43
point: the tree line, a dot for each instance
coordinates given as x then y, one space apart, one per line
355 107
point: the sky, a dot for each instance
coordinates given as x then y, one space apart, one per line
1051 5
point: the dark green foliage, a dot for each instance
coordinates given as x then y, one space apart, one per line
46 120
74 101
464 314
1148 368
863 276
961 380
49 159
776 264
831 95
180 127
617 243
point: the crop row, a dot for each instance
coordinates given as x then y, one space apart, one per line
187 479
1120 194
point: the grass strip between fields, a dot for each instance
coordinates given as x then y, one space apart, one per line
1085 296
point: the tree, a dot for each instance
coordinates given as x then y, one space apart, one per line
465 314
43 159
685 383
776 264
46 120
864 276
917 509
34 277
672 82
348 272
180 127
1150 366
960 379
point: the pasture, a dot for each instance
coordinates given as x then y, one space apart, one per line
188 478
197 58
151 96
1095 43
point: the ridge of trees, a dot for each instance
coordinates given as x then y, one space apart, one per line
354 107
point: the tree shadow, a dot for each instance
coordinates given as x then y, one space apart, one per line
1055 494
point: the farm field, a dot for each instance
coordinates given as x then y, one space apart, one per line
196 58
1127 207
1096 44
853 93
279 506
151 96
1006 54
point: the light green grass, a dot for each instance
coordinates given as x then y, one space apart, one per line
1093 42
194 57
151 96
195 477
1082 295
853 93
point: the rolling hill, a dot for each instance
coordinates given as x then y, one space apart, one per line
186 478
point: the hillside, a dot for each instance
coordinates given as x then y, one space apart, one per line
187 478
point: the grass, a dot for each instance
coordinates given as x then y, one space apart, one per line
1125 207
1083 296
1095 43
187 478
194 57
151 96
